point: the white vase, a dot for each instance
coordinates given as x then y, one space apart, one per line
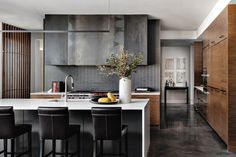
125 90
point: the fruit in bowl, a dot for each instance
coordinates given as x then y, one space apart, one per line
110 98
104 100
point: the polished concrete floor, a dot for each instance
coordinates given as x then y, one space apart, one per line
183 133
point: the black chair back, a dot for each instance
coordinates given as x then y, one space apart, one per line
7 122
54 122
107 123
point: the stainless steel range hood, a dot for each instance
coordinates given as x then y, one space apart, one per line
90 39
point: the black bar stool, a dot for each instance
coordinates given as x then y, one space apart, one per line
10 130
107 124
54 125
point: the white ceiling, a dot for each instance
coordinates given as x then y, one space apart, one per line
174 14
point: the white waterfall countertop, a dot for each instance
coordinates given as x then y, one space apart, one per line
83 104
137 105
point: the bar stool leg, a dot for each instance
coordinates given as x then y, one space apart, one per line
30 144
126 145
95 148
78 145
12 147
66 153
120 147
54 148
101 147
42 148
5 147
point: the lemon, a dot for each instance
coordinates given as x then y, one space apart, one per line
104 100
111 97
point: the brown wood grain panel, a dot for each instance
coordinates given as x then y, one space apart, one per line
154 101
6 64
232 76
43 96
3 61
23 71
21 66
198 63
16 63
10 63
221 66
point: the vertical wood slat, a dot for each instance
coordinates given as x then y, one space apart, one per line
28 65
22 66
22 71
4 62
10 63
20 55
7 53
16 63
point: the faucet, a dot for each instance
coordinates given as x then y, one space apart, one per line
72 85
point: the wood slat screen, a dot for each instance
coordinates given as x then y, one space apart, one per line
16 63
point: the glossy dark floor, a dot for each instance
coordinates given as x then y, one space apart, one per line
184 133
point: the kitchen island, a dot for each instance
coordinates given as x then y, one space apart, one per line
135 114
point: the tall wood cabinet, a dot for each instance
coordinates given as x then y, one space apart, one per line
198 63
219 58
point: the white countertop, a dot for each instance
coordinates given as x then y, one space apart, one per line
62 93
83 104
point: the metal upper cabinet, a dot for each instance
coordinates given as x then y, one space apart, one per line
56 44
91 39
135 39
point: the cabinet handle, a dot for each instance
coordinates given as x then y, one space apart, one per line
222 36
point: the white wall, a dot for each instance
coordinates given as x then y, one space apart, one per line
176 52
1 62
37 62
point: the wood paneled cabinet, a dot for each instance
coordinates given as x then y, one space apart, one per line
154 107
198 63
217 31
219 58
46 96
218 112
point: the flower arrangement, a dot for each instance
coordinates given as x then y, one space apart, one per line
122 64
